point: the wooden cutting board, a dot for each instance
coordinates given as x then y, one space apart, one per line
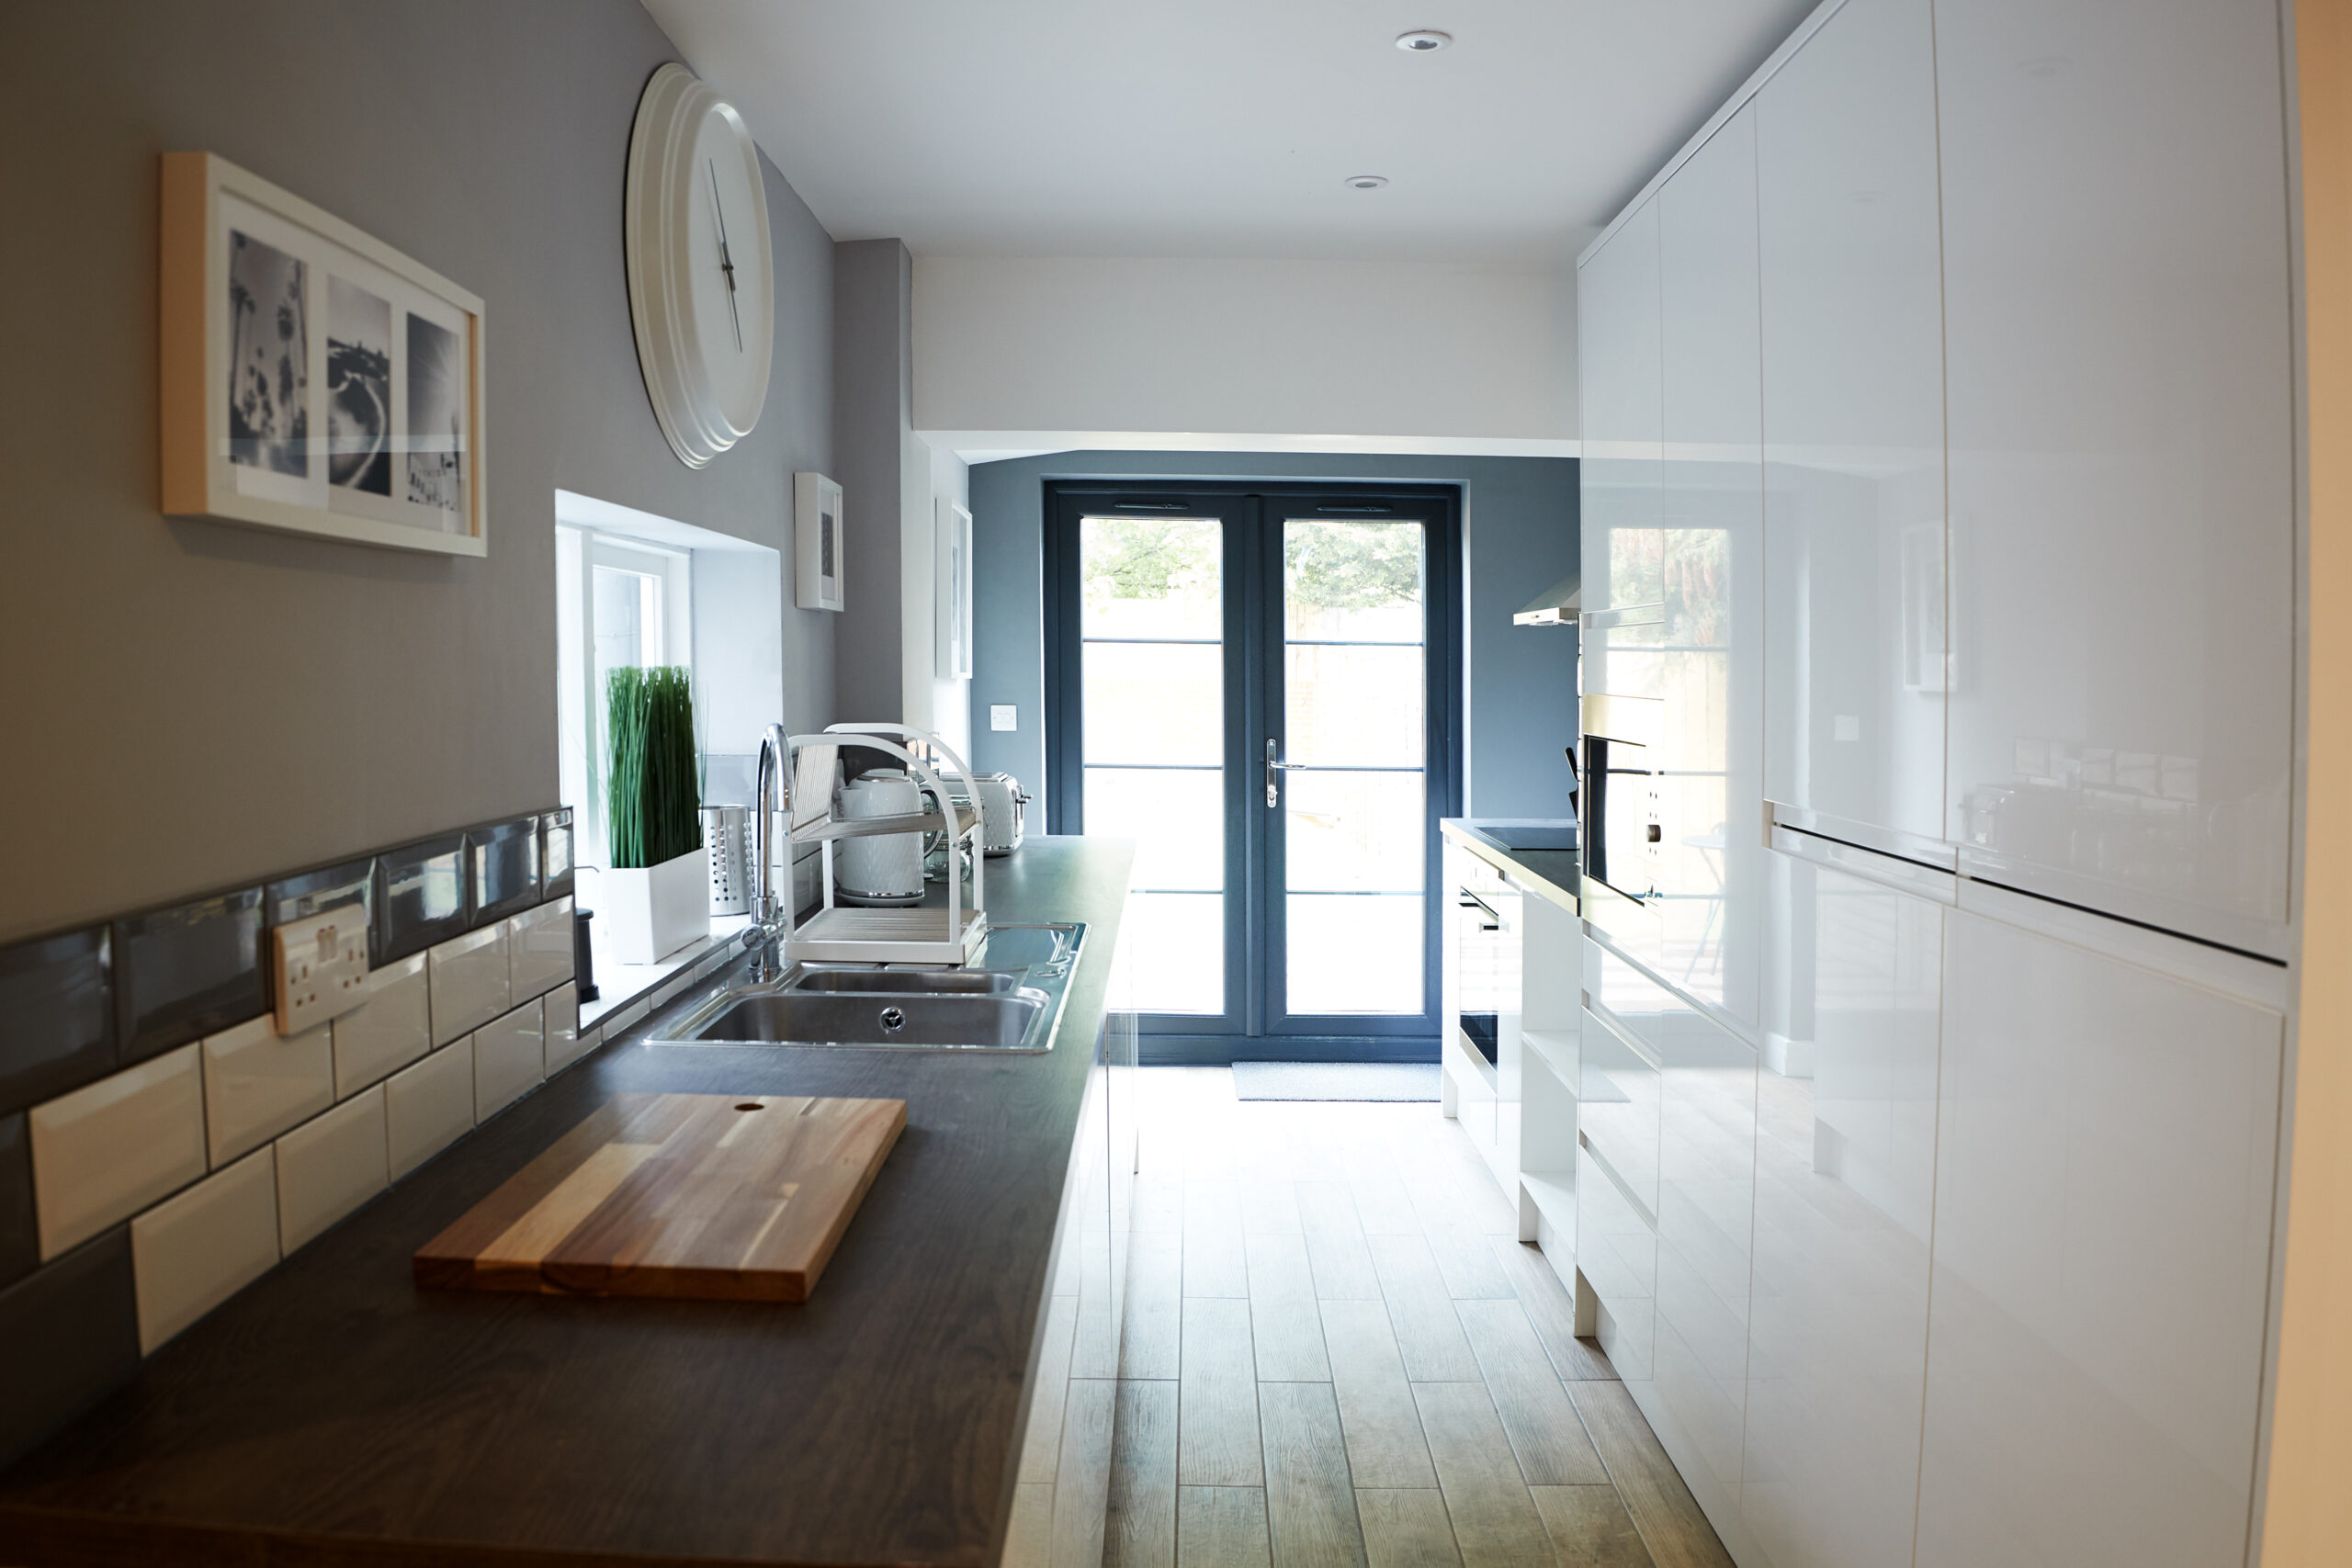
735 1198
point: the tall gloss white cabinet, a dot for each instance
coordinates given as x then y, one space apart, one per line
1710 550
1711 860
1622 480
1853 430
1939 505
2120 377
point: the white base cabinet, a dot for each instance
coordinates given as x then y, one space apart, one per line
1509 1043
2104 1181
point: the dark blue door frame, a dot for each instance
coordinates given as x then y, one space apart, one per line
1253 1026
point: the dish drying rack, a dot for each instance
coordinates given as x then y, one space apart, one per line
836 933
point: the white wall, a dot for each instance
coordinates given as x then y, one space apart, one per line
1405 357
951 699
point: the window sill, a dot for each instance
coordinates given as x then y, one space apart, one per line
627 992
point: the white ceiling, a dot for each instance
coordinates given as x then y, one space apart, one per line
1224 128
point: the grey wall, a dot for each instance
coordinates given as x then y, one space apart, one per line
873 402
192 703
1519 516
892 484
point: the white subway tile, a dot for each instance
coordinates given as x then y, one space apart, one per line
193 1251
510 1055
106 1151
564 1043
429 1106
257 1083
387 1032
470 984
329 1165
539 955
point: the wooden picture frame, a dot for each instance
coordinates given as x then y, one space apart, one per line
952 592
817 542
315 380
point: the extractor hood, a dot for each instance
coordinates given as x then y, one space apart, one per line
1555 606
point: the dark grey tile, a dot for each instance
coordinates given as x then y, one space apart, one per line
56 1016
68 1333
420 895
504 862
316 892
555 853
187 971
19 1240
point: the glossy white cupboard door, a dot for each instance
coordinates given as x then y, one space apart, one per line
2106 1149
1708 656
2122 463
1706 1191
1618 365
1844 1188
1853 428
1618 370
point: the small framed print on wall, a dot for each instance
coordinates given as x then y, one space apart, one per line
817 542
314 379
952 592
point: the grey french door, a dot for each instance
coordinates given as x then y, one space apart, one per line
1259 683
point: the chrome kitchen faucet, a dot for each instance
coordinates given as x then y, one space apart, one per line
773 794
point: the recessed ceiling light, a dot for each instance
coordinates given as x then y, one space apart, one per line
1366 181
1423 41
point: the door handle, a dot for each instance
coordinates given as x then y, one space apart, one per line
1275 768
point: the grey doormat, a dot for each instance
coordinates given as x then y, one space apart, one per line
1336 1080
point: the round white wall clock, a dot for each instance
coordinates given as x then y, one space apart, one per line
701 287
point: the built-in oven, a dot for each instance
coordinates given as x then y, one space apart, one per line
1618 795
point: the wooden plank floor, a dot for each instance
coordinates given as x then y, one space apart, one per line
1339 1355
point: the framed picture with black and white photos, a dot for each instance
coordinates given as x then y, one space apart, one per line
817 542
314 379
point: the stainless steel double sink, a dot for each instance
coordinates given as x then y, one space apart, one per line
1009 998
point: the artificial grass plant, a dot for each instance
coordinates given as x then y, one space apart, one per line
653 795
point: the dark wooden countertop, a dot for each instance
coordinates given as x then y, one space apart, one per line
334 1412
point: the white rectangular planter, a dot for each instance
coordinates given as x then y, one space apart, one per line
651 912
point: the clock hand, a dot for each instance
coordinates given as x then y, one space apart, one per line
726 263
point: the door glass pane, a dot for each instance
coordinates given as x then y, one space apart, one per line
1175 815
1152 577
1154 702
1355 826
1353 704
1354 831
1176 961
1354 954
1152 672
1351 582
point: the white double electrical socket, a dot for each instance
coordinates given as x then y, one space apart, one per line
321 968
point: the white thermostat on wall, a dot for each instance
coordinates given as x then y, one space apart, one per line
1004 715
701 288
